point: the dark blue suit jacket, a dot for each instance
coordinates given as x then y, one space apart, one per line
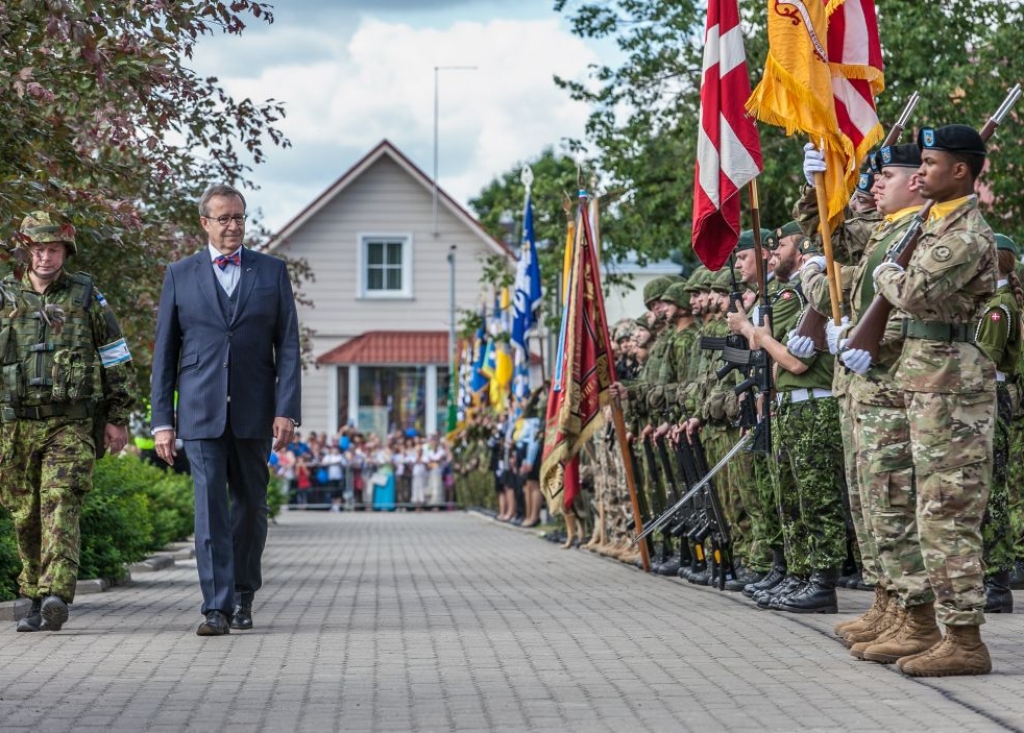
199 352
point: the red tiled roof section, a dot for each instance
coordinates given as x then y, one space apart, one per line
391 347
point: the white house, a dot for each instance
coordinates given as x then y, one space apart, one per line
381 298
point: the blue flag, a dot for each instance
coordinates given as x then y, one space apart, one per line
527 287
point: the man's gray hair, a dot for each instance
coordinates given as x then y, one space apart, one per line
218 189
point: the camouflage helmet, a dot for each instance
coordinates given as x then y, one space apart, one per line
721 281
40 227
698 281
655 288
623 329
678 295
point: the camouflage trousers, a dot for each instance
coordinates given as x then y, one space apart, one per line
46 470
951 441
759 518
867 550
808 480
998 539
888 494
717 441
1015 480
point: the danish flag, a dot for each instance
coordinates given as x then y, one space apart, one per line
728 146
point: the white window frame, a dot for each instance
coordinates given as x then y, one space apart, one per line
406 293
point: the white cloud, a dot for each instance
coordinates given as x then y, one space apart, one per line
344 93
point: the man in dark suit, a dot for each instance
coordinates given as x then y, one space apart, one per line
227 338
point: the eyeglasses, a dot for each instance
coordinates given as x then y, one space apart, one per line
225 220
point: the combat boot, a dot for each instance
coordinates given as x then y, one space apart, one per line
788 584
744 577
998 598
775 576
962 652
919 633
54 612
866 618
669 567
34 620
817 596
884 634
1017 576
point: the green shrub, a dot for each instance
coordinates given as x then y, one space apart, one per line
275 494
117 528
10 561
171 506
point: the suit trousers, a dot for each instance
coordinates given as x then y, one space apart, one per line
229 537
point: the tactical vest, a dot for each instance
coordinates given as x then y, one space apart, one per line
46 348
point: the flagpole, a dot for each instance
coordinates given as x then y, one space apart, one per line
825 228
617 417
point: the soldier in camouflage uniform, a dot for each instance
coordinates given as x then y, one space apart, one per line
807 446
999 336
65 365
949 386
882 488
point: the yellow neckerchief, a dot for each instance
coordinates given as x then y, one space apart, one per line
902 213
940 210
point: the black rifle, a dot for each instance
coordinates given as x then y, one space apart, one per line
641 500
657 491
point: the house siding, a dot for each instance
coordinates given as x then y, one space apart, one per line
383 199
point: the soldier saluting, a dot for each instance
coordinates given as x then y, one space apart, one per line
63 356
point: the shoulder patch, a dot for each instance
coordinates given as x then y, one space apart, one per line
996 315
942 253
100 299
786 294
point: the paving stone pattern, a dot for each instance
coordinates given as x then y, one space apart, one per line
439 622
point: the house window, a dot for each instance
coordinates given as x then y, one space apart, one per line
387 271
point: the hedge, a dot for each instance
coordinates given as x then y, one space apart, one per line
134 509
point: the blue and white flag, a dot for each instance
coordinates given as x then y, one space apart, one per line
527 287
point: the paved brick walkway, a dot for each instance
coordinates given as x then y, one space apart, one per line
436 622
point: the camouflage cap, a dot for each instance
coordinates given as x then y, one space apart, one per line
655 288
1004 242
42 226
678 295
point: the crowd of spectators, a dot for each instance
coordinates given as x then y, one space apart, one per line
352 470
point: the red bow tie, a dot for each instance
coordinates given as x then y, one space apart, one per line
223 261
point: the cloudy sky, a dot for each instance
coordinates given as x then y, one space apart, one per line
354 72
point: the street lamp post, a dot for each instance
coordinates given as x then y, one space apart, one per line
453 390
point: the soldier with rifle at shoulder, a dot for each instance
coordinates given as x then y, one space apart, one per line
949 386
806 442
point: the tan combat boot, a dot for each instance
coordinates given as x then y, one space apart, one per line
867 618
872 631
962 652
884 634
919 633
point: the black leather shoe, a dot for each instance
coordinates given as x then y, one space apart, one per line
54 612
242 617
216 624
34 620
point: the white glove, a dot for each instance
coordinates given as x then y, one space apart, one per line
817 261
802 347
856 360
886 265
814 162
833 332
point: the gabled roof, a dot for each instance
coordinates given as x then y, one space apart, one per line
385 148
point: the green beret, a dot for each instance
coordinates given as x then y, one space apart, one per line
907 155
655 288
1004 242
809 246
775 236
677 294
952 139
746 240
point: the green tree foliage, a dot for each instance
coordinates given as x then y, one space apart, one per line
10 561
643 126
104 121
